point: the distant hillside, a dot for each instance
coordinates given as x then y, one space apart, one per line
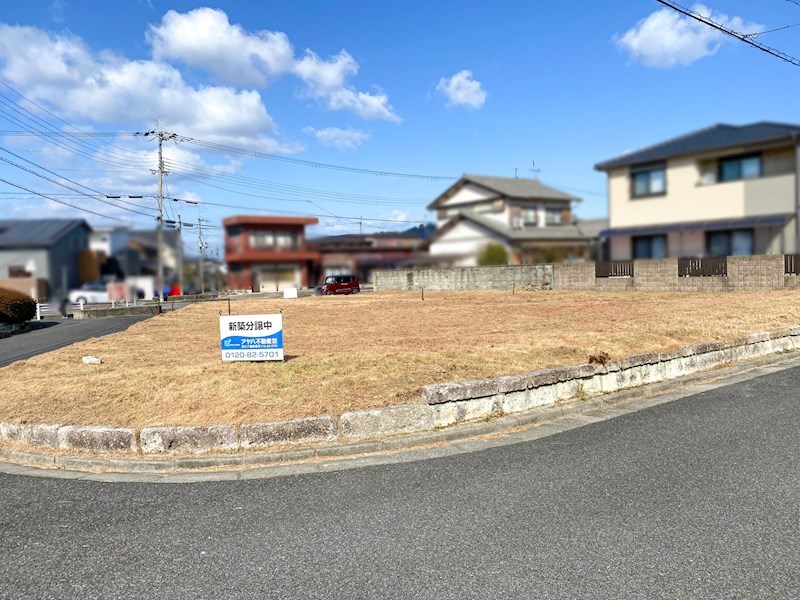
422 231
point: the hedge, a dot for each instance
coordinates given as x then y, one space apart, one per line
16 307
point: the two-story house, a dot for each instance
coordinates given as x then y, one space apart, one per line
268 254
362 254
723 190
532 221
48 255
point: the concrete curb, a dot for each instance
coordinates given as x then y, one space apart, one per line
502 403
117 311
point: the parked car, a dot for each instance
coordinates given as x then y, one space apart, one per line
90 292
339 284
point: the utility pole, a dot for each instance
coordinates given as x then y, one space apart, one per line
202 245
180 253
162 136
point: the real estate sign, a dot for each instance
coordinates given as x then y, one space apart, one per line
251 337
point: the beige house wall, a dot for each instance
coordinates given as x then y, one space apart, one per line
769 195
685 200
694 195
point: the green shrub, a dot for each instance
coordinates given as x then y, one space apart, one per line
493 254
16 307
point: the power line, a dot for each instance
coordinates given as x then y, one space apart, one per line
55 116
87 134
306 163
758 33
250 208
86 210
739 36
32 172
253 182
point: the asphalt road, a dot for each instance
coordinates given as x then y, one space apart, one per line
56 333
697 498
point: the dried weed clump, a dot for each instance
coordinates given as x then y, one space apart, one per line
363 351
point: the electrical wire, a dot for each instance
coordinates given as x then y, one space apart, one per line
32 172
86 210
739 36
255 183
306 163
270 211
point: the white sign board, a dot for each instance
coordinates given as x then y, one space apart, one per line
290 292
251 337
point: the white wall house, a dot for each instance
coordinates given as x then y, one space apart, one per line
723 190
109 240
532 221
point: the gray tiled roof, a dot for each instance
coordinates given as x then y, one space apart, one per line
521 187
510 187
716 137
36 233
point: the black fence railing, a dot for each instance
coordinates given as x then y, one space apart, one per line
791 264
613 268
710 266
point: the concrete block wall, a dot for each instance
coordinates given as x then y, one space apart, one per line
534 277
761 272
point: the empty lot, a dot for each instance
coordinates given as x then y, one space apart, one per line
361 351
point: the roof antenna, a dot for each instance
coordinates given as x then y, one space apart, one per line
534 169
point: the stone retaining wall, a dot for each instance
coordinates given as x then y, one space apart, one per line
443 405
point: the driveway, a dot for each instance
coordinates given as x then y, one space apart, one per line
57 333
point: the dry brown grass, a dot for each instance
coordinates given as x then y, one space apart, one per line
358 352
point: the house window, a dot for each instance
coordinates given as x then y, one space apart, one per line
650 246
17 271
452 212
262 239
553 216
285 239
740 167
234 230
483 207
737 242
531 217
648 180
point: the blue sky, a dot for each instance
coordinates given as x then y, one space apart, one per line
407 87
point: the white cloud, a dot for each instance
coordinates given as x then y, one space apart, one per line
60 71
205 38
342 139
326 80
462 90
666 38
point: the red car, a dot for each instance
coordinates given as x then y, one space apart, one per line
339 284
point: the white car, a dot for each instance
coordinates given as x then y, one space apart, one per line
90 293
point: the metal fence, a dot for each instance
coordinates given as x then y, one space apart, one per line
613 268
710 266
791 264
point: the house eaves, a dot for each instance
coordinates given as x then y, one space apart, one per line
716 137
554 233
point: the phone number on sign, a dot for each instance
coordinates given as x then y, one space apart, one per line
252 355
